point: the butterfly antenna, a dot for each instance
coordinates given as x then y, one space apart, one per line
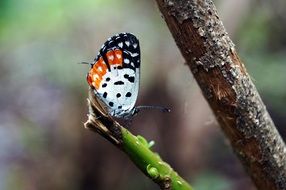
161 108
86 63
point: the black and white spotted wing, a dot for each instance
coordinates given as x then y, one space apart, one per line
114 76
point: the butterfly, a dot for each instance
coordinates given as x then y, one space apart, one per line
114 76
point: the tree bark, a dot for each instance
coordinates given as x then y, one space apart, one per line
226 85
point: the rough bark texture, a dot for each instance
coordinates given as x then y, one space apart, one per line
222 77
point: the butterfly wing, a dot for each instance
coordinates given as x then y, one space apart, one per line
115 74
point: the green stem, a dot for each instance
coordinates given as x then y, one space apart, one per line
137 148
150 163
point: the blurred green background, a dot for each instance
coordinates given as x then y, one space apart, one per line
43 92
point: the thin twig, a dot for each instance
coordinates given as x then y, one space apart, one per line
136 147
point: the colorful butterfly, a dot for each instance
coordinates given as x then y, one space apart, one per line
114 75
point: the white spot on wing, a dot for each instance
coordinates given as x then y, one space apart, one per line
95 76
118 56
126 61
100 68
135 45
111 57
120 44
134 54
127 43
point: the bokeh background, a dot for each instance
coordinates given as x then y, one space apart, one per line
43 144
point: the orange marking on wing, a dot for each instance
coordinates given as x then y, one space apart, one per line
96 73
89 79
110 57
114 57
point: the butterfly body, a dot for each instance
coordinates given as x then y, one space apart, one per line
114 75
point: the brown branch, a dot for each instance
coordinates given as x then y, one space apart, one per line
222 77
